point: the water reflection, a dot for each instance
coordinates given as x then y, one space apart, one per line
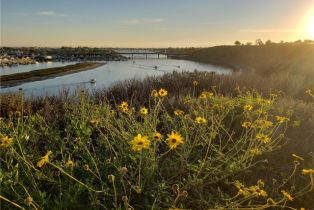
112 72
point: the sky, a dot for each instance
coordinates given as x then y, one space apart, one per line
153 23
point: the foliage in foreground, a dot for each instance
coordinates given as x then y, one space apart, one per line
157 155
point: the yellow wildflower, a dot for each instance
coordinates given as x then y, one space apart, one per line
44 160
246 124
154 93
69 163
29 200
5 141
178 112
307 171
263 138
195 83
200 120
174 139
261 193
162 92
187 100
257 191
144 111
263 124
124 106
242 189
260 112
255 151
139 143
247 107
287 195
206 94
157 136
263 101
203 96
281 119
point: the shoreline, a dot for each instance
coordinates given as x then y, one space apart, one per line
48 73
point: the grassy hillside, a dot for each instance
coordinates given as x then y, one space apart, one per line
294 58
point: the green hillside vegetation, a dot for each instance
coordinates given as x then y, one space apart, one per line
295 58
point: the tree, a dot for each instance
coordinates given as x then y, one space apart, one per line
237 43
268 42
259 42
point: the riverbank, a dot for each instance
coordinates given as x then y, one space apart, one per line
42 74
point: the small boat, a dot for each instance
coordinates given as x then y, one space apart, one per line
93 81
155 67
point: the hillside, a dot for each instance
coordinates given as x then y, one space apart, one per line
267 59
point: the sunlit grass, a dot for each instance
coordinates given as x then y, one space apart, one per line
156 155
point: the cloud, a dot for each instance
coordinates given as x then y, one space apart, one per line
268 30
51 14
143 21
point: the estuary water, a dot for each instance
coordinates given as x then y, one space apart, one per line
106 75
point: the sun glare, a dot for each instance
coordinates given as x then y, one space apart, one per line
310 27
307 25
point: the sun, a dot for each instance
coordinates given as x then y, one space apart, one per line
306 27
310 27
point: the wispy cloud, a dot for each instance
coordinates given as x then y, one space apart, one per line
41 13
143 21
268 30
51 14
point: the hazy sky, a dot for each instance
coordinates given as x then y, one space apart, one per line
151 23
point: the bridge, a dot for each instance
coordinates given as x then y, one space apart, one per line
152 53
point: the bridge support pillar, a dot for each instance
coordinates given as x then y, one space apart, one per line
158 55
146 56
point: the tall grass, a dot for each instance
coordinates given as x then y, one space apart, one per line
201 145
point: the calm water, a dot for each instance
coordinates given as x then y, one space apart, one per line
105 75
